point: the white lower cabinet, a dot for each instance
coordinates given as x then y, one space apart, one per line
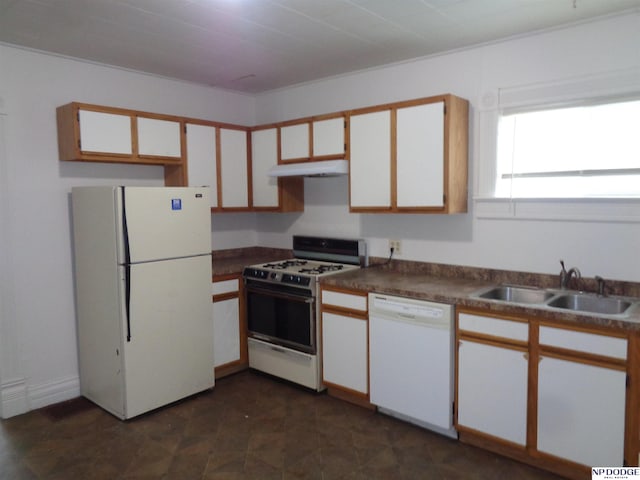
566 383
226 322
581 412
492 390
226 340
345 352
581 400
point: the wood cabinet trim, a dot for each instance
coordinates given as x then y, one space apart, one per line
226 276
582 357
221 297
632 414
347 312
496 341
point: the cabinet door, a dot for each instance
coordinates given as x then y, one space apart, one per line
581 412
226 331
233 168
328 137
345 351
492 390
370 160
294 142
105 132
201 158
264 155
158 138
420 156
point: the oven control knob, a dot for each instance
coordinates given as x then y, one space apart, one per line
273 275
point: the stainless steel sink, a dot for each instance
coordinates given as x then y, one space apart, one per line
584 302
508 293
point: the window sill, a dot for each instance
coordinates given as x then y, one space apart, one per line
603 210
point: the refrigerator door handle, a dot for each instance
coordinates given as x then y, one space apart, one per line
127 294
127 264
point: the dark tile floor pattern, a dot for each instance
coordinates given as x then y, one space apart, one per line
248 427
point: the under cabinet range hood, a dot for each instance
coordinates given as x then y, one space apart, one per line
326 168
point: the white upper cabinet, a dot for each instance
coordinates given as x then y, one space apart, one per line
158 138
201 158
294 142
370 160
328 137
420 155
105 132
410 157
233 168
264 155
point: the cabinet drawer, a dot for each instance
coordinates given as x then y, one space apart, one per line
344 300
584 342
225 286
496 327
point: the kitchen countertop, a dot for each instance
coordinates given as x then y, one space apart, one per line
441 283
454 286
231 262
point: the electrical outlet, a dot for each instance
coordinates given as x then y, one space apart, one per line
395 244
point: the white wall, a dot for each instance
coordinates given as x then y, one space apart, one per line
38 362
38 358
590 49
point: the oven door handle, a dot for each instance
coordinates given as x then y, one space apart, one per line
285 296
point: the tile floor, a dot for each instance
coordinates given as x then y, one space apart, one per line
248 427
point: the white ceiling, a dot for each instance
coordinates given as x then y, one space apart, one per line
259 45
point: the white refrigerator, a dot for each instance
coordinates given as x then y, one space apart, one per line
143 295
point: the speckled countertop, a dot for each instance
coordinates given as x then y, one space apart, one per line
454 285
445 284
232 261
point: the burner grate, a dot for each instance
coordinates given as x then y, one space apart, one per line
285 264
321 269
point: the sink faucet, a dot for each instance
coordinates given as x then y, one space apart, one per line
565 276
601 285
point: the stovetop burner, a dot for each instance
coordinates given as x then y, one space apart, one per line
285 264
313 258
320 269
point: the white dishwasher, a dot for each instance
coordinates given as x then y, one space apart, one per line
411 361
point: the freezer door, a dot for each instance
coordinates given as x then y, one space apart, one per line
165 222
170 352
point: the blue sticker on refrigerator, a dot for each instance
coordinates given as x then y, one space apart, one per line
176 204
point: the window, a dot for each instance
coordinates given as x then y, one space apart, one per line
576 152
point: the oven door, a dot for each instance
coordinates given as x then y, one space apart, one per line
281 315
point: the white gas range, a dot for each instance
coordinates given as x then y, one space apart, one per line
281 312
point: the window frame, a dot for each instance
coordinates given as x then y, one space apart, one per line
495 102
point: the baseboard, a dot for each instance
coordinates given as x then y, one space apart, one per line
17 397
54 392
14 398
